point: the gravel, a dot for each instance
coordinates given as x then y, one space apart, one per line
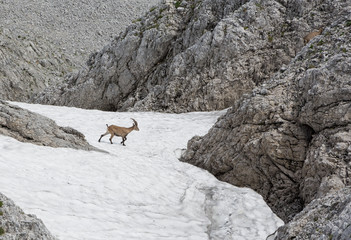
78 28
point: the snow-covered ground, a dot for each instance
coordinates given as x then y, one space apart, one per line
137 191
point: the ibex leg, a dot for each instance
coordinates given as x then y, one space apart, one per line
103 135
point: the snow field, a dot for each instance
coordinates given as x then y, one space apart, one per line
140 191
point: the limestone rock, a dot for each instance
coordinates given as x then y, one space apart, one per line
193 55
289 139
328 217
15 224
42 41
26 126
28 65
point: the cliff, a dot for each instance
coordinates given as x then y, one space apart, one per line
289 138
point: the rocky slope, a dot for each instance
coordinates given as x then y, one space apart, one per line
26 126
29 64
15 224
41 41
76 27
289 139
193 55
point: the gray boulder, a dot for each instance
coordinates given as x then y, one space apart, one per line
193 55
26 126
289 139
16 225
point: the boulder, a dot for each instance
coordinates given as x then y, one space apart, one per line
26 126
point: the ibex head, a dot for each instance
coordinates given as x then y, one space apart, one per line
135 125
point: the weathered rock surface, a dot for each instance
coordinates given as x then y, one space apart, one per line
42 41
328 217
26 126
193 55
290 138
15 224
28 65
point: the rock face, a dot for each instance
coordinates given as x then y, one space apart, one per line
193 55
41 41
15 224
26 126
289 139
328 217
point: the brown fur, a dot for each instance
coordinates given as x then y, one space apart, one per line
311 35
114 130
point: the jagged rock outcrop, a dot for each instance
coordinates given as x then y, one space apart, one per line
42 41
15 224
26 126
193 55
289 139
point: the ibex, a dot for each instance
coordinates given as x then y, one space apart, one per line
120 131
311 35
